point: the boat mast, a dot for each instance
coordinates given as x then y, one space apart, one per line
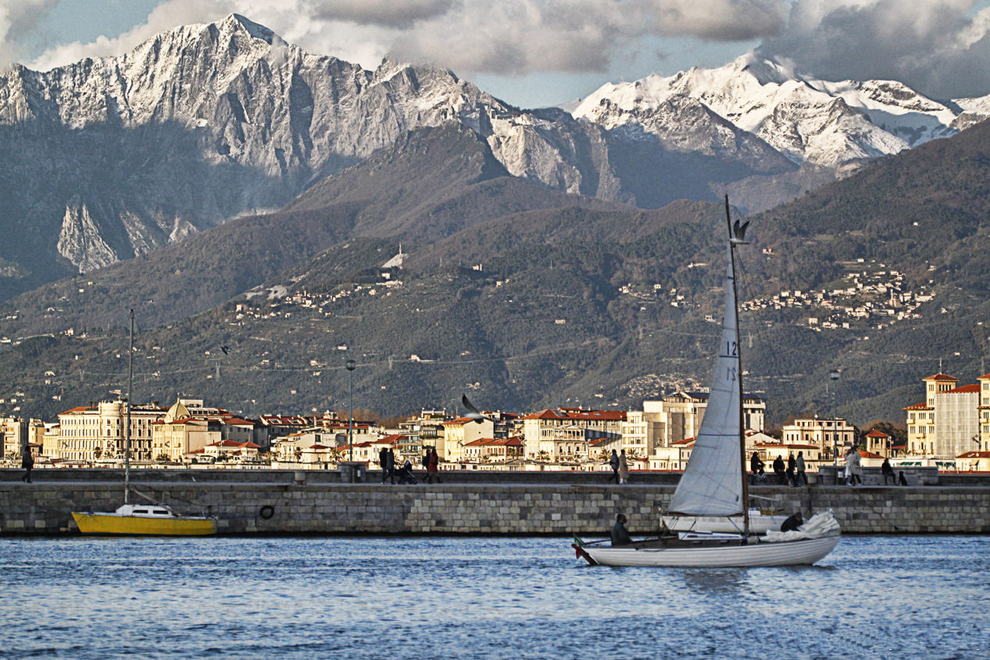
127 422
733 241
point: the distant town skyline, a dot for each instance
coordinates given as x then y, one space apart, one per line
535 53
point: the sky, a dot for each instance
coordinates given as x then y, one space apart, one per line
534 53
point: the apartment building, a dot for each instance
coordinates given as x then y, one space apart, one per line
96 432
566 434
189 426
953 419
678 416
460 433
826 434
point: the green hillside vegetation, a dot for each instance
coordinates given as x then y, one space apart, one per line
527 298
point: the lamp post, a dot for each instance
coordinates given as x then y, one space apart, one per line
351 364
834 377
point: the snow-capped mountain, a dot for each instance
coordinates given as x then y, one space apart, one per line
120 155
808 120
109 158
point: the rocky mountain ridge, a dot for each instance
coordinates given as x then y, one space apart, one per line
208 122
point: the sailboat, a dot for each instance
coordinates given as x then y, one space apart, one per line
140 519
714 480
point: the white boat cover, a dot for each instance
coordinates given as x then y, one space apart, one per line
712 482
821 524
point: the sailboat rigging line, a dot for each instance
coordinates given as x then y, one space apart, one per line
736 238
127 423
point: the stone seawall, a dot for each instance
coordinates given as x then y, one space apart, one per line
509 509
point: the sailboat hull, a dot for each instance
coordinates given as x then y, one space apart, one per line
121 525
783 553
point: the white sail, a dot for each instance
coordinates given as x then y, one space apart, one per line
712 483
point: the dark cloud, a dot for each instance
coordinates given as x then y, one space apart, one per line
939 47
399 14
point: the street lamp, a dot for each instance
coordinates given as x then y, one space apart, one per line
834 377
351 364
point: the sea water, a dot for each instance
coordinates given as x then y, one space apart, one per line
439 597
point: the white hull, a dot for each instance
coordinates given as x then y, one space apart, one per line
758 523
783 553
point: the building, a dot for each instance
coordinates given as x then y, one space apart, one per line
635 436
96 432
824 434
678 416
230 450
424 430
880 443
460 433
566 434
492 450
951 420
189 426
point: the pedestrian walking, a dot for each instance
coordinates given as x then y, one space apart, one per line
383 462
27 462
800 465
390 466
854 471
433 468
623 468
614 464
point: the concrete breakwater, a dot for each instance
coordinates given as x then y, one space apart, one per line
490 508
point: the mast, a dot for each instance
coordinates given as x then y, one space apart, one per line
127 422
735 240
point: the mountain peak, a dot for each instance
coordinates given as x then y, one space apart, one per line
764 70
256 30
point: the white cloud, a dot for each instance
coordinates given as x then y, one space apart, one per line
938 46
507 36
19 17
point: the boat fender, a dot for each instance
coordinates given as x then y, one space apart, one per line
266 511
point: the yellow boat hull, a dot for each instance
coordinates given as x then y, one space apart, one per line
113 524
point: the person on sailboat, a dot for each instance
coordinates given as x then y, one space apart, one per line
792 522
620 535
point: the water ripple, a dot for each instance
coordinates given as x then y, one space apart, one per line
479 598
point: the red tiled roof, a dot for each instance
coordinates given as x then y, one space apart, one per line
233 443
965 389
459 420
918 406
941 376
877 434
579 414
79 409
975 454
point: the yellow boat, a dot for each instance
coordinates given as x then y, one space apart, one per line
144 520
